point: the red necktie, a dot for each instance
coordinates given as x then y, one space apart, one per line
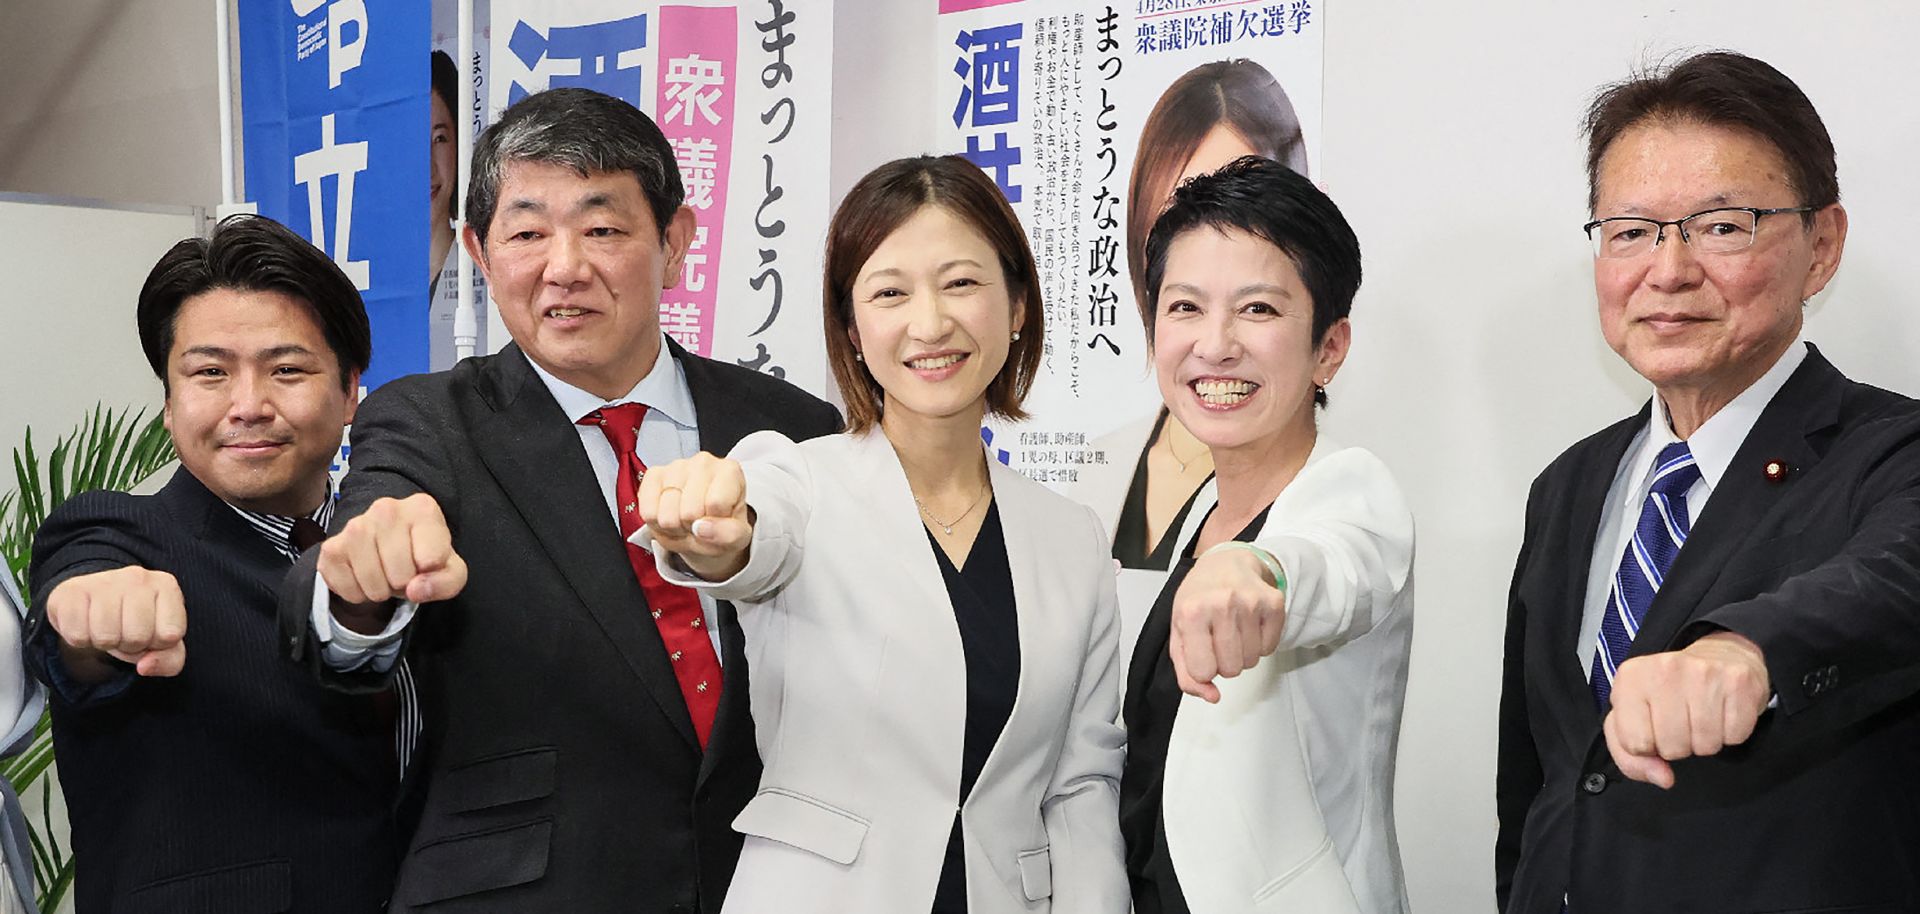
675 609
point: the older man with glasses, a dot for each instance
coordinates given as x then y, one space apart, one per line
1713 639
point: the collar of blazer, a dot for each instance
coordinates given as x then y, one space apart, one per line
1807 405
1039 529
204 518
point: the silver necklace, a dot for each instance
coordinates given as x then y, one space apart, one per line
1167 436
946 527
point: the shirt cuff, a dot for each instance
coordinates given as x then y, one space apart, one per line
344 649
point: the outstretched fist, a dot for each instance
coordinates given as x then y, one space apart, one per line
697 509
133 614
399 549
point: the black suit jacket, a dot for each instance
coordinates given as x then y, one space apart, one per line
1819 809
238 786
562 772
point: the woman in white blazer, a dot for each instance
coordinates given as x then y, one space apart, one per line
1264 696
931 637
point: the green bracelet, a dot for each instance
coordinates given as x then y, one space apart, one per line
1266 558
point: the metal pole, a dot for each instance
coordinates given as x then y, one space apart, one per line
228 193
465 322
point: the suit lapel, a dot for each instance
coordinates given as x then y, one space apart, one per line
534 452
213 525
724 412
1806 404
1559 632
1032 609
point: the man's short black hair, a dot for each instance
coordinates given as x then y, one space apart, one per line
250 253
1267 200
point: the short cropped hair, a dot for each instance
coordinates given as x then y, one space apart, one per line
1240 95
248 253
1720 89
883 201
1272 202
581 129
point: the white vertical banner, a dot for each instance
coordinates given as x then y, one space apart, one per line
741 90
1053 99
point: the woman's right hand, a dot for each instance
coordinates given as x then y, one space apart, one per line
697 509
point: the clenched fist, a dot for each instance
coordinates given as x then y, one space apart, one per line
399 549
132 613
697 509
1680 704
1227 615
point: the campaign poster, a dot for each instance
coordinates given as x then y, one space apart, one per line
334 105
741 90
1087 115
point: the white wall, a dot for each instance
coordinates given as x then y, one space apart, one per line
110 99
1451 143
74 273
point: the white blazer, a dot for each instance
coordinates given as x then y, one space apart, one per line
1280 797
858 686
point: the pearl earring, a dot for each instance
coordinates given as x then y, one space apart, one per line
858 357
1016 336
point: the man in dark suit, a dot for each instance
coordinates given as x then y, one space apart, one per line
1713 642
588 740
229 781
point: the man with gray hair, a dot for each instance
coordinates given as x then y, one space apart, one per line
587 744
1712 687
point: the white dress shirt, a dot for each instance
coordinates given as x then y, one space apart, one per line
669 432
1713 445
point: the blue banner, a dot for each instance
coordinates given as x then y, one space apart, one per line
334 100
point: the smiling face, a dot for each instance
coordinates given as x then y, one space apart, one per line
932 316
255 400
576 266
1233 340
440 164
1707 323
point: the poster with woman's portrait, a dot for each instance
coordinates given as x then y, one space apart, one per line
1088 116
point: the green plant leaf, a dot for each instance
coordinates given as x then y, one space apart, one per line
113 449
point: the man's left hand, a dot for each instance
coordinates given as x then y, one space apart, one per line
1226 616
1680 704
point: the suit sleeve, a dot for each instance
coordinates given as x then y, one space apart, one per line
1519 775
1344 536
396 452
89 533
1081 809
1842 638
780 493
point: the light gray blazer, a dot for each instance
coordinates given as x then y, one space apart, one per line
859 697
13 833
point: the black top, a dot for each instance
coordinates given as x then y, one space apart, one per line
1153 698
983 605
1130 532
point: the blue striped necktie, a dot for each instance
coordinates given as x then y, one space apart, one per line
1657 539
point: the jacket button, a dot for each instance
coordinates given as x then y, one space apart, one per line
1594 783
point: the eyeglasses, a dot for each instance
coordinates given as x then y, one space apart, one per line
1726 230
